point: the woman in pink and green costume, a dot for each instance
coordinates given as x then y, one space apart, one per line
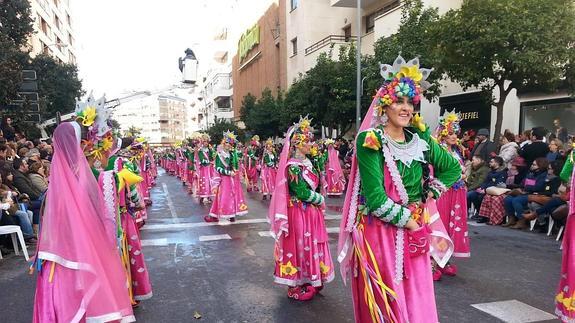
388 224
302 256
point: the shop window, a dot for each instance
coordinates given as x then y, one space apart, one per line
543 113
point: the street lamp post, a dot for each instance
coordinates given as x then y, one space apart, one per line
358 86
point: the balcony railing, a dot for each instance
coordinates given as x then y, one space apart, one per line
331 39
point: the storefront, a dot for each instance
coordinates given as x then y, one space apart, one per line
542 113
474 109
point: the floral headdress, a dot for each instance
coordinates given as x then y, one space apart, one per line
93 115
269 142
230 138
329 141
448 124
255 141
205 137
402 79
302 132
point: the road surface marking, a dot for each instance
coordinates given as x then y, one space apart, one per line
215 237
268 234
514 311
188 225
154 242
170 204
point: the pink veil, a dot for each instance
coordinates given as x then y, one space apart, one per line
93 283
277 213
333 165
348 215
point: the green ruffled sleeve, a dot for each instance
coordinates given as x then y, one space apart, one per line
220 167
567 170
299 188
446 168
370 163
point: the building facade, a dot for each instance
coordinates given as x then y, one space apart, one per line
53 34
161 118
258 62
322 26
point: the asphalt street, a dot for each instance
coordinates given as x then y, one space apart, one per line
223 272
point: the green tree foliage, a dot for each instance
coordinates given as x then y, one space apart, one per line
326 92
218 129
262 116
16 25
58 85
413 39
508 44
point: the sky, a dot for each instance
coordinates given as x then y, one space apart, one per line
134 45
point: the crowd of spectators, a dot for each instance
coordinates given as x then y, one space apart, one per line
517 181
24 173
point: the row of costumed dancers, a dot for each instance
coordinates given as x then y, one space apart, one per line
404 215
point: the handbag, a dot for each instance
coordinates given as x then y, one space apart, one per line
496 191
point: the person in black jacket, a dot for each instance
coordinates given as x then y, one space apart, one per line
484 147
516 202
25 186
7 129
537 148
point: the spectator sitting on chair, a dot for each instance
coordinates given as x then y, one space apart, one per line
25 186
495 177
473 182
509 148
517 200
537 148
484 147
554 146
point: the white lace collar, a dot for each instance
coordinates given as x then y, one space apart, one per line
406 152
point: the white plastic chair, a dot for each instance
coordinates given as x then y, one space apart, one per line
550 228
14 231
560 233
532 224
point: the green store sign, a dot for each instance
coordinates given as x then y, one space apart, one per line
248 40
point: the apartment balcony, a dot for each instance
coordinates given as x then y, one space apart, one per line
329 41
221 86
352 3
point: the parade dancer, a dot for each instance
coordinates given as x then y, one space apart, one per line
80 274
252 164
302 257
269 165
565 298
229 200
386 228
452 205
119 215
334 175
204 189
191 170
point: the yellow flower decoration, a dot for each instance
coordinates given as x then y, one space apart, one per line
417 121
567 302
107 143
451 117
88 116
314 151
371 141
288 269
126 177
410 72
324 268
